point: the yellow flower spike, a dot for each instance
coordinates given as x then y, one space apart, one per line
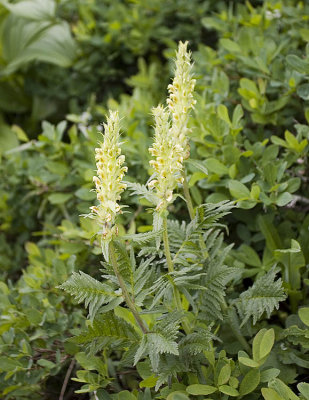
181 100
108 182
168 162
171 145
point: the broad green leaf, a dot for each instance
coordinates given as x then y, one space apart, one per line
292 259
267 343
249 382
303 91
178 395
248 362
234 382
229 390
149 382
283 199
26 41
20 133
33 9
198 389
8 138
216 167
283 390
198 164
126 395
237 115
32 249
8 364
255 192
231 46
223 113
269 374
238 190
298 64
85 194
271 394
304 389
46 363
304 315
256 344
224 375
59 198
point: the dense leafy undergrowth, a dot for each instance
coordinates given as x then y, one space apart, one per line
242 330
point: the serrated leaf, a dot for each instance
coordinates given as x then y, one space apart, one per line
142 238
263 296
86 289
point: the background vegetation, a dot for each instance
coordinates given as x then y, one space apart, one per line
62 65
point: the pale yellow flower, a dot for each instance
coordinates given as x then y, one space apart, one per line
110 172
181 100
171 145
168 159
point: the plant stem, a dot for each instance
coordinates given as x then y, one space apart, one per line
170 267
235 328
125 293
186 191
66 380
191 209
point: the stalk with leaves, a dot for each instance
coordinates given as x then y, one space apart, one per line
163 293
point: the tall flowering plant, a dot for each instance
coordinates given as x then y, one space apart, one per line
159 303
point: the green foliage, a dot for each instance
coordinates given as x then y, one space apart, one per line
240 266
263 296
86 289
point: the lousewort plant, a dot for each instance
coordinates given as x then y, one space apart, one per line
162 297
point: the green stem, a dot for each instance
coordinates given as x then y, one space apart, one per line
236 329
170 267
125 293
241 339
186 191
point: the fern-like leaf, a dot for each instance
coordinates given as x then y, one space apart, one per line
161 340
108 326
142 238
196 342
142 191
297 336
264 296
86 289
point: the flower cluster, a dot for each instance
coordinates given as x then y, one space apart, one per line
181 101
169 158
171 144
108 181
